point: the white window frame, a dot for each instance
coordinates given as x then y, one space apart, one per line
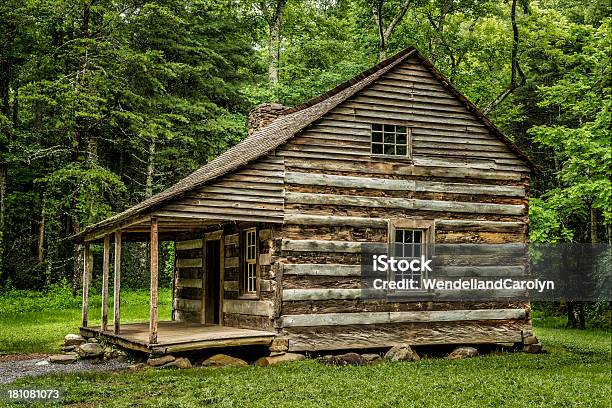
249 271
427 228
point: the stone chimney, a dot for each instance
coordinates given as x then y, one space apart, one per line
262 115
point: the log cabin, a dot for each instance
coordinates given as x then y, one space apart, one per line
268 236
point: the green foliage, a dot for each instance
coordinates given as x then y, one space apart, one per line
99 116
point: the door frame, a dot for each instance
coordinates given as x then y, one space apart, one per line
213 236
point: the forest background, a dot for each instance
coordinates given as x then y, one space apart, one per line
106 102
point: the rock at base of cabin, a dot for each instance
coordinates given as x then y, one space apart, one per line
530 340
279 345
160 361
371 357
73 340
533 348
67 358
112 353
343 360
90 350
402 353
223 360
283 358
92 340
180 363
66 349
463 352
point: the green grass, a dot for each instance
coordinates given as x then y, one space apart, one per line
26 328
575 372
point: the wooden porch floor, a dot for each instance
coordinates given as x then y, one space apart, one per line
180 336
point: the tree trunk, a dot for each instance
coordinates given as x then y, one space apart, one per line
150 169
385 33
41 228
274 43
593 225
515 67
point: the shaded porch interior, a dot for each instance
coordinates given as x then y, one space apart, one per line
183 333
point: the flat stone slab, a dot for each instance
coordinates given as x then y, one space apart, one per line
222 360
160 361
282 358
67 358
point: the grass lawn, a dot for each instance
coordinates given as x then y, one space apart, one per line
575 372
36 323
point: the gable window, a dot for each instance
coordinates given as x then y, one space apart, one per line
391 140
249 271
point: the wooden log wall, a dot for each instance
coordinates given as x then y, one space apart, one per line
339 198
257 312
189 272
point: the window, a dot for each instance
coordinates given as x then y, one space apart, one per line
249 281
409 244
391 140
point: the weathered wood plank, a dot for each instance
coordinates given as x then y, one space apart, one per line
117 285
328 220
404 203
87 266
154 266
340 319
188 283
191 244
189 263
320 338
321 294
471 271
402 185
232 262
249 307
188 305
105 273
332 246
322 269
479 225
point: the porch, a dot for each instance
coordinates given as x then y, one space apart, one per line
177 336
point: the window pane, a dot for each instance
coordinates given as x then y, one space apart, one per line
377 137
376 127
399 235
390 128
418 236
377 148
408 237
400 138
417 250
401 129
390 149
389 137
401 150
398 251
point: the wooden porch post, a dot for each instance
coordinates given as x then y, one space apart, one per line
105 270
117 283
154 271
86 275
